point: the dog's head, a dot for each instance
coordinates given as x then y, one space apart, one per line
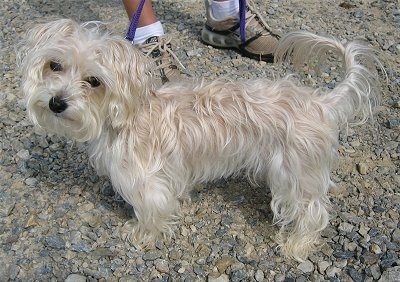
76 79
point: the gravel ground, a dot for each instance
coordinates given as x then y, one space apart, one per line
61 222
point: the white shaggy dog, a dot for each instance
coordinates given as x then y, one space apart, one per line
155 144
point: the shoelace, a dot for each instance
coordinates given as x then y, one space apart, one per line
163 44
251 14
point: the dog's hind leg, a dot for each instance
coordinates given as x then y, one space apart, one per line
299 187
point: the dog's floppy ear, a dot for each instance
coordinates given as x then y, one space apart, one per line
44 34
128 71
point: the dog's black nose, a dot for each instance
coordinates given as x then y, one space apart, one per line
57 105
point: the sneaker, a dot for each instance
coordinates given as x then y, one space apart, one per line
158 48
260 41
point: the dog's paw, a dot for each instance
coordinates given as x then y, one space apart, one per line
140 237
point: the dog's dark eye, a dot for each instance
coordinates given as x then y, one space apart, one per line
54 66
93 81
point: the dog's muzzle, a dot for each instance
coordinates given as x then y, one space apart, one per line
57 104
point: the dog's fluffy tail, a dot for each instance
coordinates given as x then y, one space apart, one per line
353 99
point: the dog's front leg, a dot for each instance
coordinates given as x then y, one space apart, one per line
156 209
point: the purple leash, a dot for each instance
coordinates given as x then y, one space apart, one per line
242 20
130 35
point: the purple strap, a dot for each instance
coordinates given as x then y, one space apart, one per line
242 20
130 35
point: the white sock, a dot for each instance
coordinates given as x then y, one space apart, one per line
225 9
147 31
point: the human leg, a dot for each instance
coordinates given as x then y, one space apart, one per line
150 38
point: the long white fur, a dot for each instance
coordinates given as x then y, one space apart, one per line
155 144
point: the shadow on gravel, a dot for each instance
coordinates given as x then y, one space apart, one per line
252 201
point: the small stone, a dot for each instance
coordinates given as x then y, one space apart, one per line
363 230
358 14
259 275
161 265
13 271
31 181
31 221
346 227
351 246
391 274
75 278
198 270
181 27
369 258
181 270
393 123
323 265
343 254
81 247
23 154
127 279
184 231
55 242
306 266
213 277
102 252
6 207
341 263
151 255
375 271
332 271
396 235
223 263
194 52
238 275
388 260
362 168
375 249
355 275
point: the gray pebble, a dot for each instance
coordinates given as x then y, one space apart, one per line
238 275
306 266
343 254
151 255
358 14
396 235
220 278
332 271
259 275
75 278
23 154
393 123
161 265
31 181
355 275
323 265
55 242
391 274
81 247
181 27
